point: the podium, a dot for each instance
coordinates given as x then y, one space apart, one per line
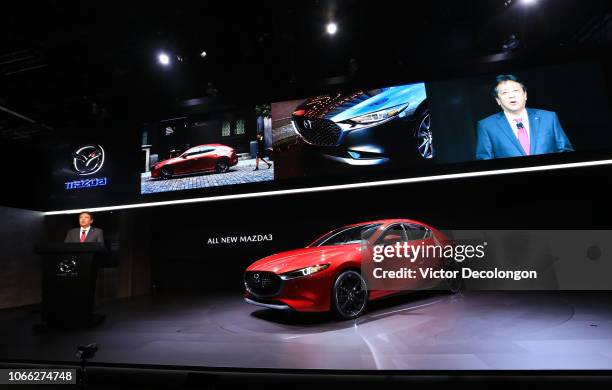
70 271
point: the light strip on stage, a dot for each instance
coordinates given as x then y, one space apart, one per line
339 187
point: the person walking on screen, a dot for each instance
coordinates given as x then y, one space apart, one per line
261 152
518 131
86 232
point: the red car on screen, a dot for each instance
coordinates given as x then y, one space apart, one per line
202 158
327 274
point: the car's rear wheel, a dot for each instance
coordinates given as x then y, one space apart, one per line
424 136
222 165
349 295
165 173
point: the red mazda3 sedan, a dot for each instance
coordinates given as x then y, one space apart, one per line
202 158
327 274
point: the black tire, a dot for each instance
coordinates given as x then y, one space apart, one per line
165 173
455 285
424 136
222 165
349 295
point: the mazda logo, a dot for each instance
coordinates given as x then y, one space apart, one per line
307 124
87 159
67 266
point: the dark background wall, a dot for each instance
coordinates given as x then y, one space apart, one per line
572 199
20 267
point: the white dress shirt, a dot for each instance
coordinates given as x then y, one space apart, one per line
86 230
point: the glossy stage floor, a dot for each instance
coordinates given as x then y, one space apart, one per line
420 331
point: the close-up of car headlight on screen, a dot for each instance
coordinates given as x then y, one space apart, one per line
303 272
378 116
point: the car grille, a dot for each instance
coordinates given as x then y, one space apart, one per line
262 283
320 132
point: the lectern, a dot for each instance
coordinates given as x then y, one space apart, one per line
70 271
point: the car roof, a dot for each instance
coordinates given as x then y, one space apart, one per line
199 146
208 146
388 222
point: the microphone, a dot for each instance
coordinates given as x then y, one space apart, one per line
519 125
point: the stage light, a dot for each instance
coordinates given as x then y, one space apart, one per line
203 54
163 59
529 2
332 28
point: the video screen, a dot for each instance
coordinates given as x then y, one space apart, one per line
521 113
410 130
218 149
420 127
352 131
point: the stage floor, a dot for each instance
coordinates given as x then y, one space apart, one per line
423 331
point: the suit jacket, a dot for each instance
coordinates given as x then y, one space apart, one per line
497 140
94 235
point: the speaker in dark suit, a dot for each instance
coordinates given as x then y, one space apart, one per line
86 232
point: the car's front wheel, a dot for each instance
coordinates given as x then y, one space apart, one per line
424 136
165 173
349 295
453 285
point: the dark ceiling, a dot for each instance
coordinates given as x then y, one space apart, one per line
66 65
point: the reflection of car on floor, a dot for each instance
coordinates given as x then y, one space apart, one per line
202 158
326 275
368 127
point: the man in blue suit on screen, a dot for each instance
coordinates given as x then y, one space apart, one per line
518 131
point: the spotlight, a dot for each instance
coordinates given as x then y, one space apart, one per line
529 2
332 28
203 54
163 59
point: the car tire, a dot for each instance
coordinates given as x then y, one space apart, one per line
455 285
349 295
165 173
222 166
424 136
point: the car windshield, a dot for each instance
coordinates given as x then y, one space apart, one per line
347 235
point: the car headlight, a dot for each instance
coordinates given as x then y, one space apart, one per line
298 273
373 118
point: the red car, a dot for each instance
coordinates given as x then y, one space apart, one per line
326 275
202 158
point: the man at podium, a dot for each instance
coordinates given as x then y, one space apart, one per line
86 232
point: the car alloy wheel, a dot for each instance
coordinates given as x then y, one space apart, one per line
349 295
222 166
165 173
424 137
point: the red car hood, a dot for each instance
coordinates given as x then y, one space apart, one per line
301 258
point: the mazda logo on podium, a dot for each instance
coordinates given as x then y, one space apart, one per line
67 267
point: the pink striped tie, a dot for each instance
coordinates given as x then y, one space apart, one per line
522 135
